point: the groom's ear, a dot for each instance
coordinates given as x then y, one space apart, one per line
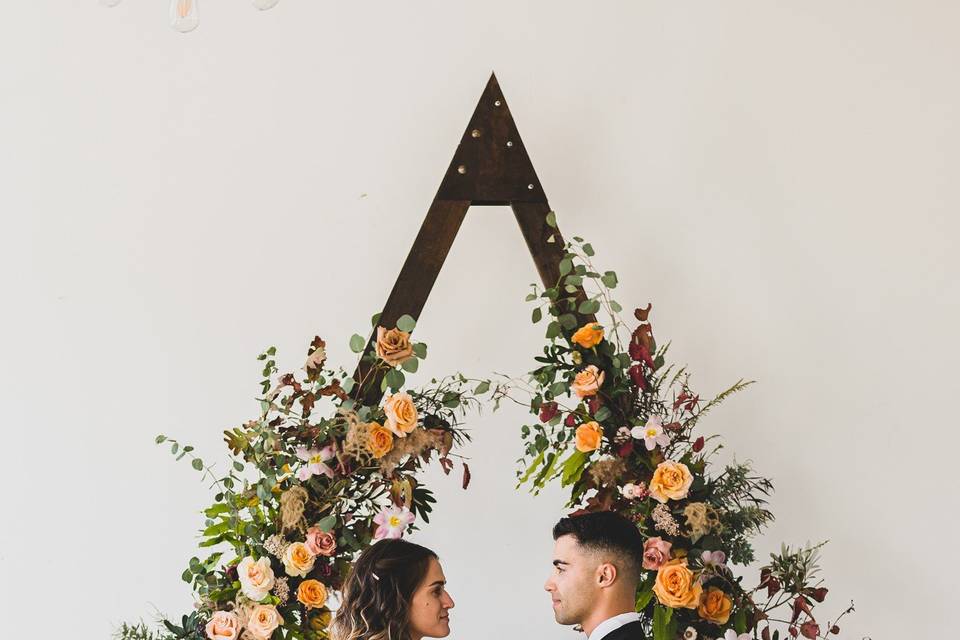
606 574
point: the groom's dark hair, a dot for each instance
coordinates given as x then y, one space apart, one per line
606 531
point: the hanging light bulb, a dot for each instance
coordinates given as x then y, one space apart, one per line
183 15
109 3
263 5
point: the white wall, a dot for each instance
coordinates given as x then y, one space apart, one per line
779 178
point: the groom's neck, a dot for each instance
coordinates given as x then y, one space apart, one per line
605 611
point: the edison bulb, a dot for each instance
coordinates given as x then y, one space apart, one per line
183 15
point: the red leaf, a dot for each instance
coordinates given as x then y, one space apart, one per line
447 464
636 374
819 594
593 404
642 314
571 420
547 411
810 629
698 445
626 448
466 475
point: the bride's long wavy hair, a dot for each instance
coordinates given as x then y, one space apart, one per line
378 591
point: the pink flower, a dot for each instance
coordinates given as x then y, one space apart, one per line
392 522
320 542
656 551
632 491
652 433
315 459
713 558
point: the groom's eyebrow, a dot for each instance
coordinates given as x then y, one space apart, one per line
557 563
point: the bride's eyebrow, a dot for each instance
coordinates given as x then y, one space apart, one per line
438 582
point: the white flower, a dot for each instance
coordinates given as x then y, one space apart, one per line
690 634
732 635
256 578
651 433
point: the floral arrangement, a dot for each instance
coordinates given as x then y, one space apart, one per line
314 479
619 427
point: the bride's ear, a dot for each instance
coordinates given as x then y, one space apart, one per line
606 574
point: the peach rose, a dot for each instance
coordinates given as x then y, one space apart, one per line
676 586
588 382
223 625
312 594
263 621
715 606
393 346
401 414
297 560
656 553
320 542
589 335
256 578
380 440
588 437
671 481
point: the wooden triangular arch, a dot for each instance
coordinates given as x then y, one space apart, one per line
489 168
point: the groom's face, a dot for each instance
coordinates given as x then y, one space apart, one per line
572 583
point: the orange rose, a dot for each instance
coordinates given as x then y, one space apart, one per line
380 441
393 346
588 437
312 594
676 586
671 481
589 335
401 414
715 606
588 382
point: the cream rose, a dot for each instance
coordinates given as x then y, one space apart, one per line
401 414
588 382
393 346
256 578
671 481
263 621
297 560
223 625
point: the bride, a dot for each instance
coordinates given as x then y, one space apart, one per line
395 590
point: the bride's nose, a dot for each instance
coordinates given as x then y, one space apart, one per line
447 601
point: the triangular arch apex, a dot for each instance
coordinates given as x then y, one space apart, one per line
490 167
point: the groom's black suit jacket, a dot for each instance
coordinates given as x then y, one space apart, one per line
629 631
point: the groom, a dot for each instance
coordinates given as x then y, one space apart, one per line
597 560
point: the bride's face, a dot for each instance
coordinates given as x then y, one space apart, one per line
430 605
